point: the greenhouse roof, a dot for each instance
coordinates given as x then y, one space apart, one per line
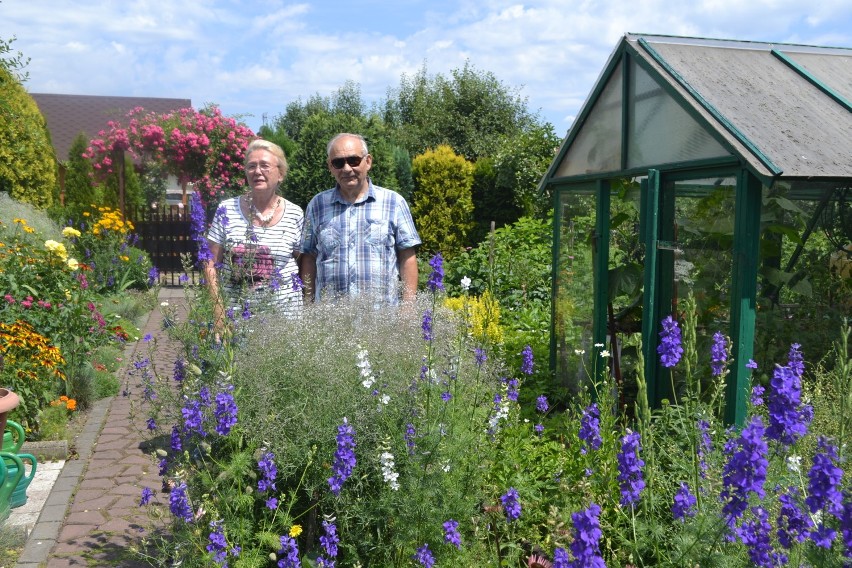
784 110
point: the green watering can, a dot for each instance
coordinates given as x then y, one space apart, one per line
9 481
13 440
19 495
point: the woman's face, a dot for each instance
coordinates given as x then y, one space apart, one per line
262 171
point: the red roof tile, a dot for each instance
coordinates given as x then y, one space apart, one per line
69 115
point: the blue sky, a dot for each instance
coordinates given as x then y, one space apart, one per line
253 58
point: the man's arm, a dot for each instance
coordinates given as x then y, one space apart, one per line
407 261
308 274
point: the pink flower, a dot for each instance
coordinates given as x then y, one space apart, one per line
9 298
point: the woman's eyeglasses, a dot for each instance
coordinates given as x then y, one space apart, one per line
263 167
353 161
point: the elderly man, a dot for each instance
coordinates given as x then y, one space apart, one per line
358 238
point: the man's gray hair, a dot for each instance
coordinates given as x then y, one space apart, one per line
346 135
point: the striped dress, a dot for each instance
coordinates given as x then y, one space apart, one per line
259 265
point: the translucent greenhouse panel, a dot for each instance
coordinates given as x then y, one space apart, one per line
699 259
597 146
574 301
660 131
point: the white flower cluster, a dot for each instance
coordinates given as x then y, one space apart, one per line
391 477
365 369
500 413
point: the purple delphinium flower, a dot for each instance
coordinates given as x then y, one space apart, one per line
153 275
745 470
197 228
718 353
446 396
684 503
705 446
587 535
218 545
298 285
147 493
410 434
329 542
755 534
436 278
225 411
479 356
751 364
268 471
179 503
527 364
630 468
788 418
246 315
426 326
757 393
148 337
344 457
846 526
451 533
541 404
290 552
151 424
180 369
793 523
560 558
424 556
539 428
795 360
193 418
511 504
670 349
824 479
271 503
512 390
590 428
176 443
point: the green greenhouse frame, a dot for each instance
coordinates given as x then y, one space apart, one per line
673 114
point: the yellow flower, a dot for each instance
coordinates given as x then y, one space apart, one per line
72 263
70 232
29 230
19 221
56 248
125 258
67 294
86 214
295 531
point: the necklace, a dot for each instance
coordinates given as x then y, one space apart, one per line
264 219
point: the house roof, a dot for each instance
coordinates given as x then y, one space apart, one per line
783 110
69 115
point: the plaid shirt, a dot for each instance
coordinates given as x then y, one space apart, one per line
355 244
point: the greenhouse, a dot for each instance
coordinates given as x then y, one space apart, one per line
709 177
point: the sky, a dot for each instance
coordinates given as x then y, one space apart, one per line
254 58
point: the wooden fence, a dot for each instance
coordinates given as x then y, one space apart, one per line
164 233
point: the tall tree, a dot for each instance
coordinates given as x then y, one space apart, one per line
472 111
79 188
442 207
27 158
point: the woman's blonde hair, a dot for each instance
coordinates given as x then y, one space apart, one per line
272 148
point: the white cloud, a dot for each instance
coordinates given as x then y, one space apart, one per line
251 59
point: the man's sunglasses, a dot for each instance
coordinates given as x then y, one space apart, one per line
353 161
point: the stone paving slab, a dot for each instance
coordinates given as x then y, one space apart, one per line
91 516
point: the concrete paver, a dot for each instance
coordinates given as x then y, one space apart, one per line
91 516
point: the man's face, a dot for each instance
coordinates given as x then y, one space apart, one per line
344 153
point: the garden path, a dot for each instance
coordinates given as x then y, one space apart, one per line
92 516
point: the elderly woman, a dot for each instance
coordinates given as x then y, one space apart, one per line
254 240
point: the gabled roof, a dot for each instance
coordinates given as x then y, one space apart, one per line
69 115
783 110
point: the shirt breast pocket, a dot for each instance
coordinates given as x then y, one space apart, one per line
329 240
379 234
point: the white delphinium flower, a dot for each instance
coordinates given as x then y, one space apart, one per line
599 344
794 463
465 283
390 476
605 353
365 369
579 352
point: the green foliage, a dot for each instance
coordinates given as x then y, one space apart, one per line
520 163
402 167
471 111
492 202
15 63
27 160
108 190
442 205
79 187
